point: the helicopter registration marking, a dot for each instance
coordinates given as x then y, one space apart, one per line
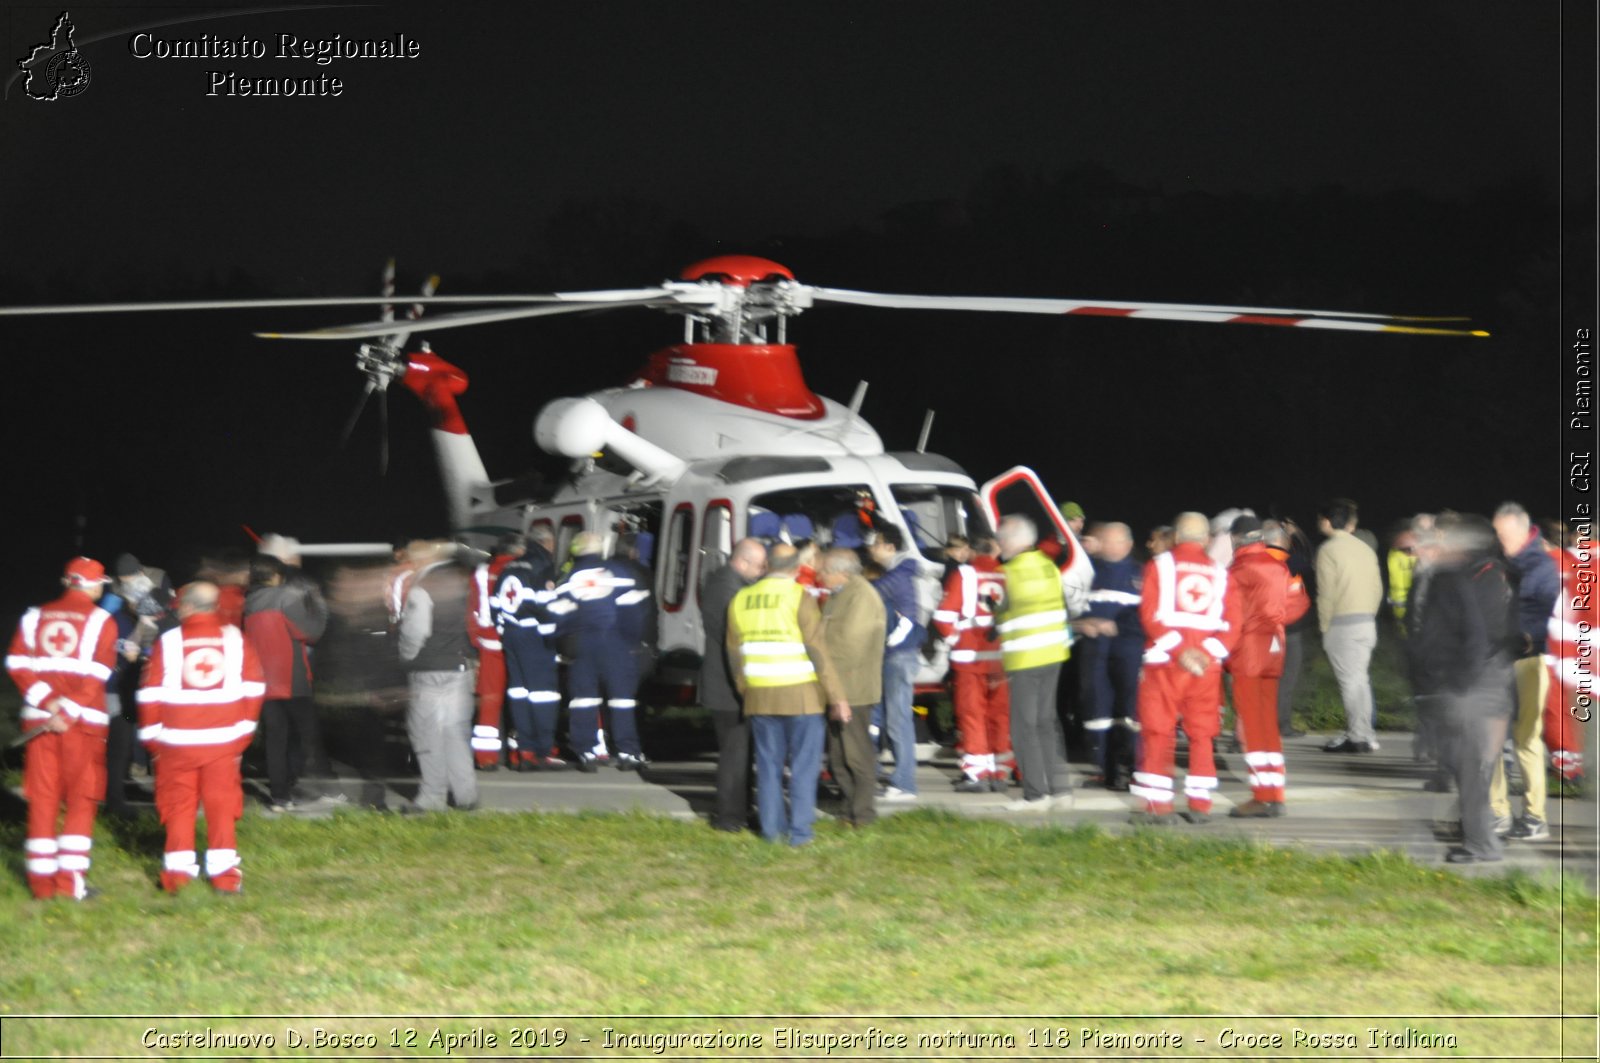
692 374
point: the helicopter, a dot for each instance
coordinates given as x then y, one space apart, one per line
718 437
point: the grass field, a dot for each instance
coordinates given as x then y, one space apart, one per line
540 915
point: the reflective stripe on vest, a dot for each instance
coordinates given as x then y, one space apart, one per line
1033 628
766 615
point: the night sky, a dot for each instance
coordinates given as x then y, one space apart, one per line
1359 156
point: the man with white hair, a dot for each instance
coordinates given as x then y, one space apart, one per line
1190 613
198 706
1031 620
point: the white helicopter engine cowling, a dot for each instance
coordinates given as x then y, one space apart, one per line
578 428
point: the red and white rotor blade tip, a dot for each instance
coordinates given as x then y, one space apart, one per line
1197 312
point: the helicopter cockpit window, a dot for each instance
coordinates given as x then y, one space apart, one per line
833 515
936 512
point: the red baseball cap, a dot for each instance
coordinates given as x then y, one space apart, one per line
85 571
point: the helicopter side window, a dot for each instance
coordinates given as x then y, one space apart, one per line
676 557
935 512
716 537
833 515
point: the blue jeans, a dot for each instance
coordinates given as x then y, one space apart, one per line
899 679
796 741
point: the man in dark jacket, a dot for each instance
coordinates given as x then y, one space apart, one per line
1111 645
1538 584
902 656
284 616
1462 649
717 692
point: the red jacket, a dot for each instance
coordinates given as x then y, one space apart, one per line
230 604
480 618
1573 621
1270 599
64 651
964 619
1188 601
202 689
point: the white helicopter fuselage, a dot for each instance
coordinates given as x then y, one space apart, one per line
737 471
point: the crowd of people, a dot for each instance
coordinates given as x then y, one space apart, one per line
809 671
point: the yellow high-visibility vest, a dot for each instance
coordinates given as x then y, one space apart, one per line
1033 626
1401 568
766 615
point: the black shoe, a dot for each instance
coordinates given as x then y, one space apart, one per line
631 762
1464 856
972 786
1293 732
1199 819
728 828
1254 809
588 764
1350 746
1437 785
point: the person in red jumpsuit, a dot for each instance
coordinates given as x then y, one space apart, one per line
60 658
198 706
1190 613
1568 654
490 685
1270 598
965 620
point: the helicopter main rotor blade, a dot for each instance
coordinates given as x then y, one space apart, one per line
383 432
370 329
1223 315
355 415
626 296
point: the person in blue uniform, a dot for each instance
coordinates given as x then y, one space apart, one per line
1111 645
522 597
599 606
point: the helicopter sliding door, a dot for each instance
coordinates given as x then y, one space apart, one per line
1019 492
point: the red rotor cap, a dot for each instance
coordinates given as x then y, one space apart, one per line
741 271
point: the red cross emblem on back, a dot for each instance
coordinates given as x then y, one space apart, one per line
1195 593
203 667
59 638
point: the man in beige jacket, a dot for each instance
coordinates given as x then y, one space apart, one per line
1349 591
853 629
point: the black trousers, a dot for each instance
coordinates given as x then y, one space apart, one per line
119 754
293 744
1477 722
733 771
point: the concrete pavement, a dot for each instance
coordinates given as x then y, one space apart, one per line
1337 803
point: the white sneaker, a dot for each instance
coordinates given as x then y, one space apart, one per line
1038 805
1061 802
895 794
